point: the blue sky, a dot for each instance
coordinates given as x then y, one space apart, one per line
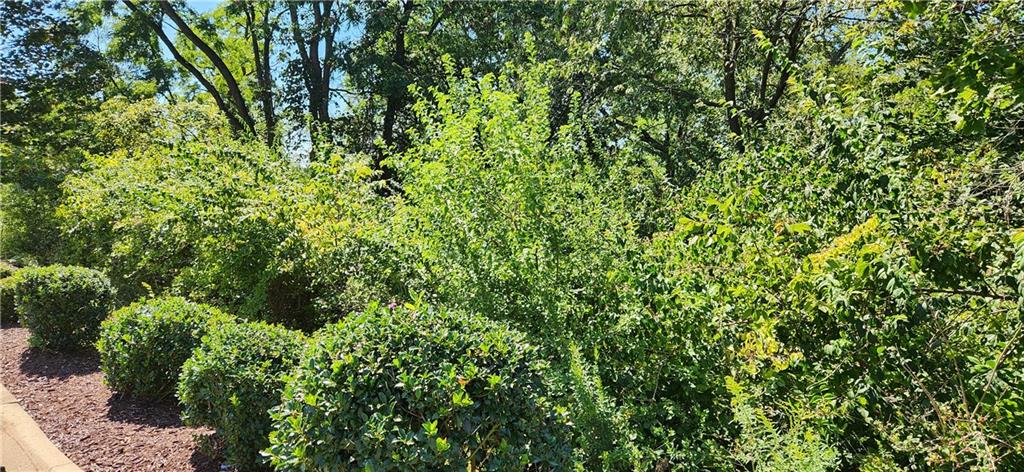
203 5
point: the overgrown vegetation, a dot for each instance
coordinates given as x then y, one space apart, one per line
782 235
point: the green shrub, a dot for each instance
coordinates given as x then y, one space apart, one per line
164 214
415 388
62 306
159 217
7 305
232 381
143 346
541 236
29 229
7 282
167 219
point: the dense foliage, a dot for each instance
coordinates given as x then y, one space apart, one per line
62 306
232 381
7 304
7 283
779 235
228 223
413 388
142 346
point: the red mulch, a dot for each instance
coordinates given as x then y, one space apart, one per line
98 430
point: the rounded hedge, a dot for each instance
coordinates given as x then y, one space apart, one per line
143 346
232 381
415 388
62 306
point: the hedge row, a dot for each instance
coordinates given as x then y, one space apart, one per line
408 387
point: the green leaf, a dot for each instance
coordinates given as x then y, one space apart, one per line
430 427
442 445
1017 237
797 228
461 398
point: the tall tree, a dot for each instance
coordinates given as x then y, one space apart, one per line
232 103
311 29
260 32
657 70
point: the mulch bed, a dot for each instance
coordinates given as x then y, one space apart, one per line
95 428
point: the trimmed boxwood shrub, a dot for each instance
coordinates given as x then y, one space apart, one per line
233 379
143 346
62 306
416 388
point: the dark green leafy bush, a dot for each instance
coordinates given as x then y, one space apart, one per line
416 388
143 346
232 381
62 306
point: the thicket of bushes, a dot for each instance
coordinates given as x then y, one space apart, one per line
843 288
234 225
786 300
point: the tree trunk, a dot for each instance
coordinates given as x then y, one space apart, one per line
236 126
396 97
261 59
316 74
732 47
234 90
